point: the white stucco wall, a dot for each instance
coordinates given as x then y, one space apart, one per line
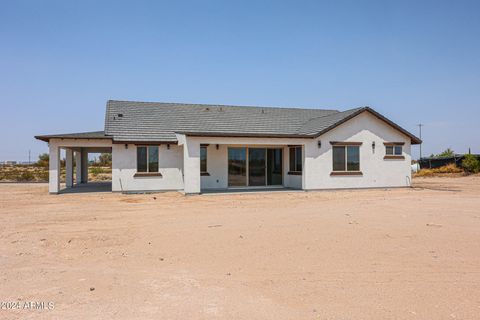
217 167
124 167
377 172
217 160
180 165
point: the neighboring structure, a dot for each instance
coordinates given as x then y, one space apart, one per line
437 162
8 163
194 148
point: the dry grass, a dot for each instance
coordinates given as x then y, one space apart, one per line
449 169
21 173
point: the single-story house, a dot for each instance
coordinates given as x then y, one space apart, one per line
196 147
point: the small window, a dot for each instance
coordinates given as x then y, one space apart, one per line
147 158
393 150
346 158
203 159
295 155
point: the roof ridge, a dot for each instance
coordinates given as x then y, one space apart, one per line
220 105
329 115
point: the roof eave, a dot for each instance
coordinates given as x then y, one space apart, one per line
244 135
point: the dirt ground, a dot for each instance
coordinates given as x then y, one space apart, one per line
364 254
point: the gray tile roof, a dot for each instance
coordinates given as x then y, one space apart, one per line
130 121
160 121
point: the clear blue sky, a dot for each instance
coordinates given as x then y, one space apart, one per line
413 61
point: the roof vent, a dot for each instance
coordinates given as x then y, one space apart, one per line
263 111
220 109
118 115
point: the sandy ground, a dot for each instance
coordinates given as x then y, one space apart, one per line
368 254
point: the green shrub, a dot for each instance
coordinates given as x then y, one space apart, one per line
43 160
471 163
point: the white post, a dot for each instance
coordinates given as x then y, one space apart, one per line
54 169
191 166
69 167
78 167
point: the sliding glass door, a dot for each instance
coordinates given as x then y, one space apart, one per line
255 167
274 167
237 167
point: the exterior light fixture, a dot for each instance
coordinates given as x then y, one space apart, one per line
168 147
217 146
319 144
373 146
126 146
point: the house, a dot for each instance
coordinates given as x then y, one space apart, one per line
195 148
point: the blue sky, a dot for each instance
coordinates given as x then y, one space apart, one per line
413 61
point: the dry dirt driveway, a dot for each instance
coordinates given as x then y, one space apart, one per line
367 254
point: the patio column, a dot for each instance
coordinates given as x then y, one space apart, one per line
191 167
54 169
78 167
84 166
69 167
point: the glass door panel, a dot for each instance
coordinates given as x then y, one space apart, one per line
237 167
256 166
274 167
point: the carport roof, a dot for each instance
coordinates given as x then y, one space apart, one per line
79 135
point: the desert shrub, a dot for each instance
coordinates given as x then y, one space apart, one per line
26 175
471 163
447 169
96 170
42 175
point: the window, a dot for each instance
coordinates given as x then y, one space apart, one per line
346 158
394 150
147 158
203 159
295 155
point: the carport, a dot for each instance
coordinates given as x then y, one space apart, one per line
77 146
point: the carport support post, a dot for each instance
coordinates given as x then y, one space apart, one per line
84 166
54 169
69 167
78 167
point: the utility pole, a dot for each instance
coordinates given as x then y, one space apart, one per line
420 127
29 162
